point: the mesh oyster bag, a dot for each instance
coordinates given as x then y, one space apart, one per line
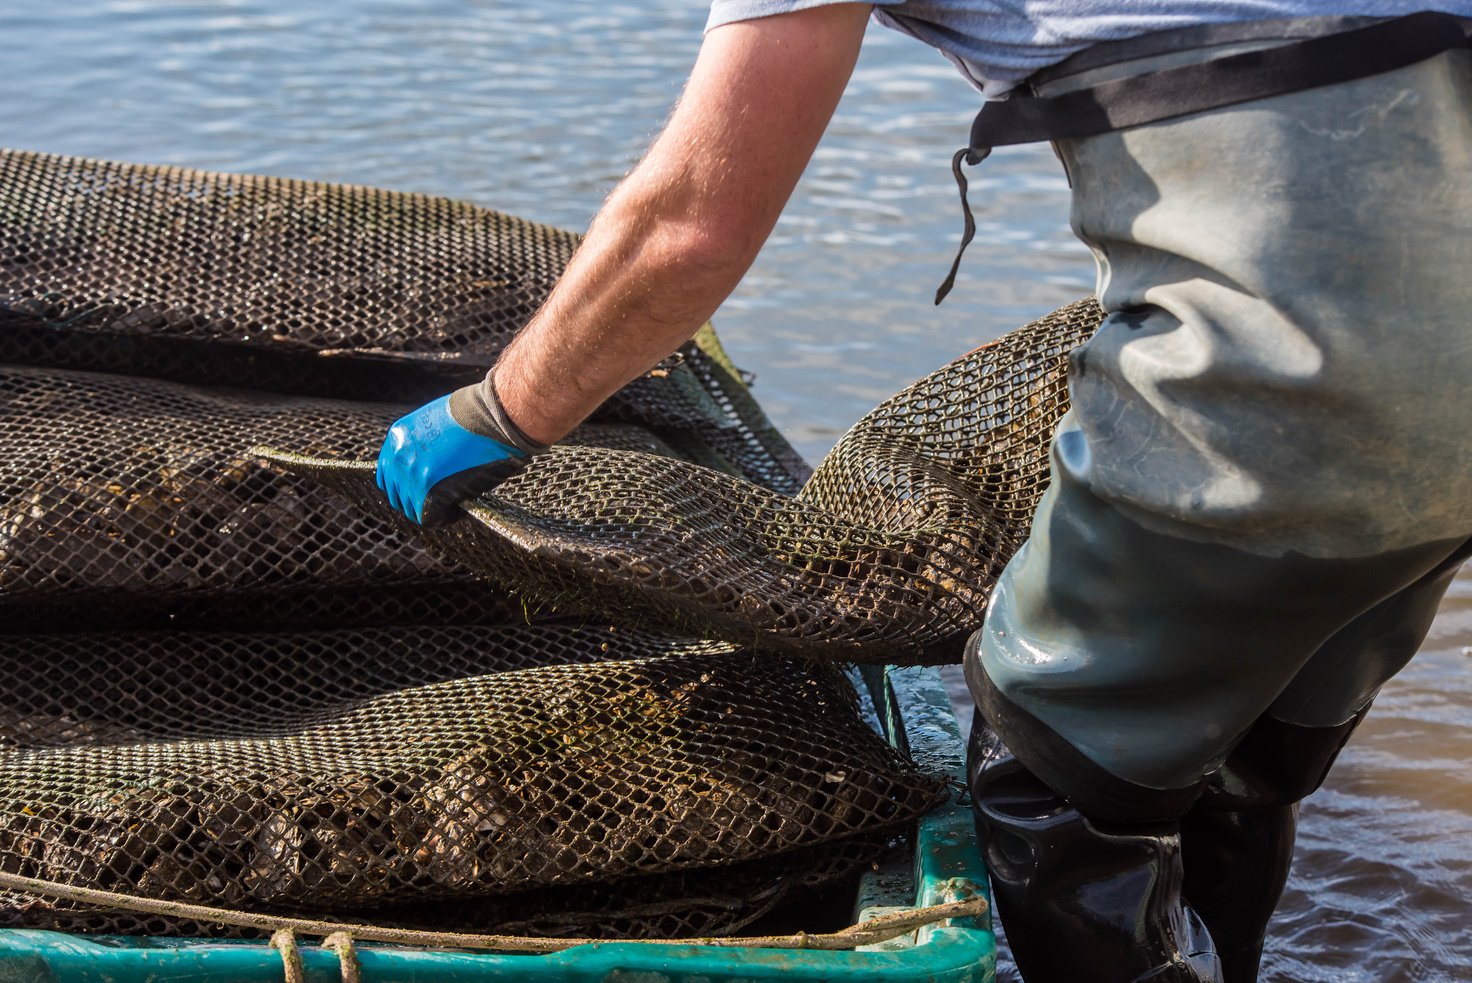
314 289
888 553
494 767
694 903
119 496
136 502
259 262
342 718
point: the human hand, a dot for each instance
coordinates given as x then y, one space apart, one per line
449 450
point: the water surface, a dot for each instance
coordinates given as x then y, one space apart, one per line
538 108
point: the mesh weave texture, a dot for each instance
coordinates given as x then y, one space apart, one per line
136 502
313 289
683 904
888 553
198 772
226 684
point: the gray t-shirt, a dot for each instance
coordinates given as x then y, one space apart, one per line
998 43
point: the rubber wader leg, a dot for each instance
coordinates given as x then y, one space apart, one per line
1082 900
1237 841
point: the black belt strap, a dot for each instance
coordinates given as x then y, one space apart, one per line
1174 92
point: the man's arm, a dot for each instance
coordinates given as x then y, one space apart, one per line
668 246
682 229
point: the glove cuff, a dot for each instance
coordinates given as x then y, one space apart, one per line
479 410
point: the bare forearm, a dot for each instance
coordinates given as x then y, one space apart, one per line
667 247
640 285
676 237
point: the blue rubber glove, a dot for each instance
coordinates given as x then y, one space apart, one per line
431 461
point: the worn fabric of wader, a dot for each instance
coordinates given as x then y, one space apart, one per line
1259 497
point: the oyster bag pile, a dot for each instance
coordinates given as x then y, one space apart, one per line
609 700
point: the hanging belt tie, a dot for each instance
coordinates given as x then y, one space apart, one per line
1174 92
965 155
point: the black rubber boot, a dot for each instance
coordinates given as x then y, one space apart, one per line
1082 900
1237 840
1236 866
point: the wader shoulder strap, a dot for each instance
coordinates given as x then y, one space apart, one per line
1172 92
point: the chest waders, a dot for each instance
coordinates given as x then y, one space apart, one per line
1260 492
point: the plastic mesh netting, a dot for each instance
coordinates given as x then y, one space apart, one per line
117 248
315 289
138 502
887 554
683 904
225 683
513 758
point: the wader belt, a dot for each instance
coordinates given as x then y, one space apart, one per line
1181 91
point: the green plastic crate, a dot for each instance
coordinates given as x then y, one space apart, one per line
915 714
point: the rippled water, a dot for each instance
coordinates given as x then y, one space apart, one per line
536 109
